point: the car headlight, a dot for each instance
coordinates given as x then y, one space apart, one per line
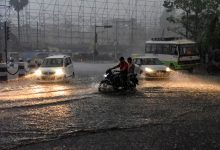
38 72
149 70
59 72
168 69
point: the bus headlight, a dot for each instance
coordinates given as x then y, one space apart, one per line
149 70
59 72
38 73
168 69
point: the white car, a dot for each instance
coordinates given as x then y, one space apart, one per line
150 67
55 68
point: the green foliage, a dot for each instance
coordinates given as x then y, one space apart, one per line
18 4
199 18
211 36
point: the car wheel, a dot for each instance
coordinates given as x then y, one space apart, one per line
104 86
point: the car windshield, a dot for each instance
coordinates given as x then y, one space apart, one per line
151 61
188 50
52 62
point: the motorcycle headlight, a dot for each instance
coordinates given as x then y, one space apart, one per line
149 70
59 72
38 73
168 69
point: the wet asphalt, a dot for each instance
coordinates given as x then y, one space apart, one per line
181 112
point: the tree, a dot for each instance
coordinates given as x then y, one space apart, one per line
193 15
167 28
18 5
211 36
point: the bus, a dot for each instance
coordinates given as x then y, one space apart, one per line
176 53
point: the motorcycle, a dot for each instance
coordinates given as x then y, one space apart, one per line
112 82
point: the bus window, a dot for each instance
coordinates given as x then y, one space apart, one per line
159 49
153 48
188 50
174 50
166 49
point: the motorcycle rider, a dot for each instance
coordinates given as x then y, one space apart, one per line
123 65
131 66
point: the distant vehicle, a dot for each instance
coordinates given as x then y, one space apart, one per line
14 55
214 61
31 65
176 53
38 59
11 62
151 67
55 68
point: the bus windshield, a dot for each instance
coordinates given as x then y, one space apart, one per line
188 50
52 62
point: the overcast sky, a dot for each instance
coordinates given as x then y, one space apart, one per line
83 11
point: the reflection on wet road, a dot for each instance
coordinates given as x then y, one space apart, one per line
40 94
32 112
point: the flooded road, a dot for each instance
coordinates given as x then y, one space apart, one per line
67 115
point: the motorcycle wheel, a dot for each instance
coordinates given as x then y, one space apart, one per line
104 86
